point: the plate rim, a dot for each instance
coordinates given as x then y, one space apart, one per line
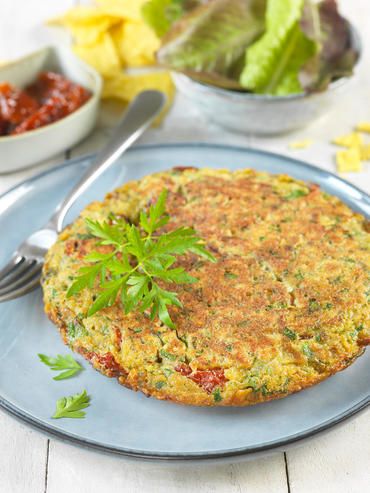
195 144
49 430
181 457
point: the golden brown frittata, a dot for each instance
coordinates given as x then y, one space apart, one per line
284 307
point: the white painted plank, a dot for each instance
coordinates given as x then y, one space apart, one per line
73 469
22 25
22 458
338 462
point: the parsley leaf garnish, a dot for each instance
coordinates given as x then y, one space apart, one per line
295 194
71 407
290 334
139 259
66 364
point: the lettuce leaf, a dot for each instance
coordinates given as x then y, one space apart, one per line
273 63
336 57
161 14
209 42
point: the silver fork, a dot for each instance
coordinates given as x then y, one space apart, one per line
22 274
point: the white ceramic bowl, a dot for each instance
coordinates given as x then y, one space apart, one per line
29 148
257 114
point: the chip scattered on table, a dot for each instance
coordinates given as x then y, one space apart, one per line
300 144
349 160
351 140
365 152
363 127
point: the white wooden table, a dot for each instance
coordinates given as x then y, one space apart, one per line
337 462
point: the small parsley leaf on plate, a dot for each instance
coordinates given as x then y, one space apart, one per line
66 364
71 407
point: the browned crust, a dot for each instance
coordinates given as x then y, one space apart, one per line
237 400
245 301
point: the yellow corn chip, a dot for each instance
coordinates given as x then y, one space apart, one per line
87 35
82 16
351 140
365 152
363 127
112 35
300 144
136 43
349 160
126 87
102 55
126 9
86 24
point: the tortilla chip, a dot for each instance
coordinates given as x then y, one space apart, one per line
126 9
363 127
126 87
351 140
136 43
112 35
82 16
300 144
365 152
102 55
349 160
86 24
88 35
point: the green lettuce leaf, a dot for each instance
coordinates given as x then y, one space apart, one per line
209 42
337 55
161 14
273 63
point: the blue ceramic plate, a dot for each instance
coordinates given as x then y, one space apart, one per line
120 420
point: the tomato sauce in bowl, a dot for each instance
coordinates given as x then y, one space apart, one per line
49 99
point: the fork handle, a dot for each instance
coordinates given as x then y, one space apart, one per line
138 116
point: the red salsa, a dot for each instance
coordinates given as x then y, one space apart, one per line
207 379
50 98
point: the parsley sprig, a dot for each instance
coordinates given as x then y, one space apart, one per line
140 258
66 364
71 407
